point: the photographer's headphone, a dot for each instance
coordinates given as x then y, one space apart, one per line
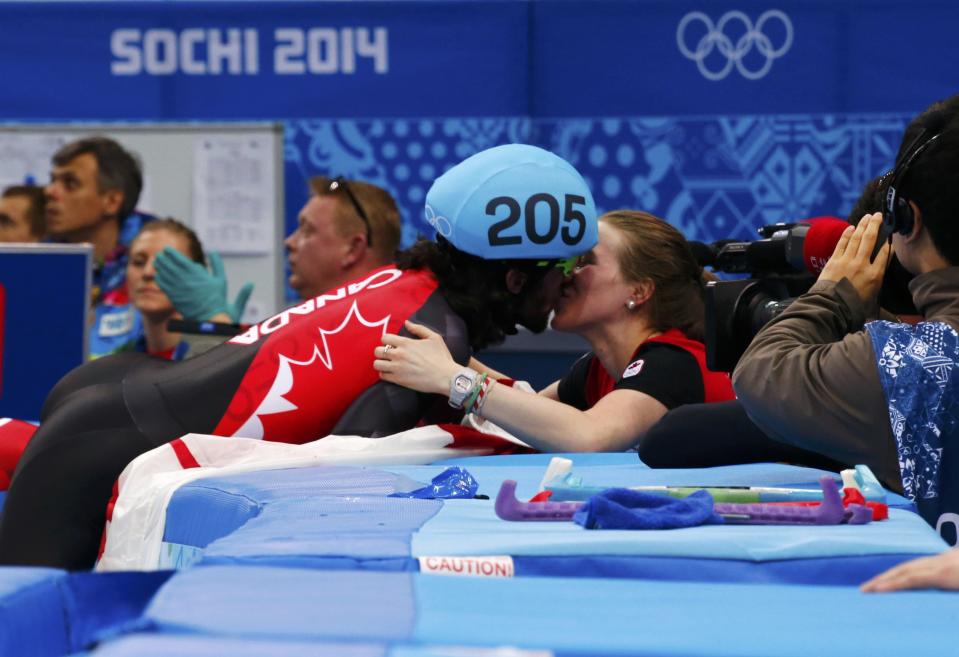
897 215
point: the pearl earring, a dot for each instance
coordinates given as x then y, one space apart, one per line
630 305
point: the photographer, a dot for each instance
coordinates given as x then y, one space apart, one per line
880 393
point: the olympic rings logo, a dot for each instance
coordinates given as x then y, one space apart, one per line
716 38
439 222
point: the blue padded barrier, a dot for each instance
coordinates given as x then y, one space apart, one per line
98 604
31 612
832 571
365 530
782 554
212 508
584 616
421 650
45 612
150 645
664 619
295 604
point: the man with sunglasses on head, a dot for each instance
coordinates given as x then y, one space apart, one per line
505 220
348 228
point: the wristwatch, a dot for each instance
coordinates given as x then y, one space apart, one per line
461 385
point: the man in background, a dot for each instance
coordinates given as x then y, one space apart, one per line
21 214
94 188
346 229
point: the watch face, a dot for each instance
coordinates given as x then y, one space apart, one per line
462 383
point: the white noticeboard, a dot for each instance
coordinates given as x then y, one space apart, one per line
233 192
25 158
223 180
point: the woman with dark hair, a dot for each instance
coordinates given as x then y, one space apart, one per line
637 298
150 308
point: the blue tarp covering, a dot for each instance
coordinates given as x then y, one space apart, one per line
361 532
239 498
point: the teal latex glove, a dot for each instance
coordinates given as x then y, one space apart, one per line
196 293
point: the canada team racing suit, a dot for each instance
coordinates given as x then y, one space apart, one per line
298 376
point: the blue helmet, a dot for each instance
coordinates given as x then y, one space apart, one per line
514 202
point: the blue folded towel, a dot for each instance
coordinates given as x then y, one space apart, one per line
621 508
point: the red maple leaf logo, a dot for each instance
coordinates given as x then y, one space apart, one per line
308 395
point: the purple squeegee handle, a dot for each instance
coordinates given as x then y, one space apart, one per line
830 512
509 508
857 514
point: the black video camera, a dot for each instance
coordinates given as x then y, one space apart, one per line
782 265
737 309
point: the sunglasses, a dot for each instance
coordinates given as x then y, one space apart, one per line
567 265
340 183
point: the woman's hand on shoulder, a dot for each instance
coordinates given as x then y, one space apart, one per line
422 362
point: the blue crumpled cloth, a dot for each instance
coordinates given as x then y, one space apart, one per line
453 482
621 508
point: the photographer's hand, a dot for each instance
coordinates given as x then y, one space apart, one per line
850 260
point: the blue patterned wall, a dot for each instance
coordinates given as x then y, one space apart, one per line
713 177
